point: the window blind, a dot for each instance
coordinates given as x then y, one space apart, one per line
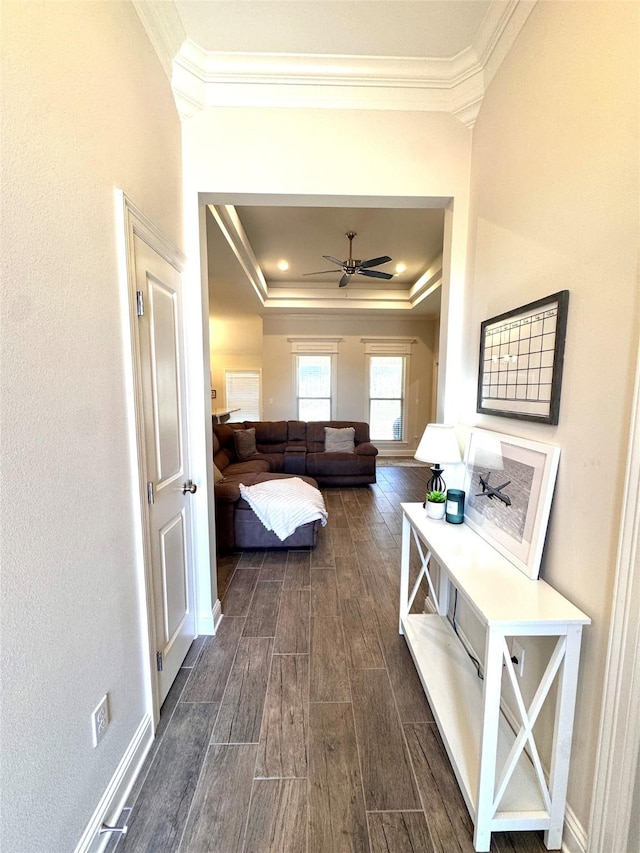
243 393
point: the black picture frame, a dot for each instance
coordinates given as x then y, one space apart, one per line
521 361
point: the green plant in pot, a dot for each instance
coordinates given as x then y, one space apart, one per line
436 504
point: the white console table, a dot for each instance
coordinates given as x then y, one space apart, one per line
498 770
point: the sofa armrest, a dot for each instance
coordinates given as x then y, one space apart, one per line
366 449
227 492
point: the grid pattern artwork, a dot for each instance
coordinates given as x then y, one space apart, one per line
518 358
521 359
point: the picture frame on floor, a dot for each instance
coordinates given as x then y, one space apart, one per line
509 483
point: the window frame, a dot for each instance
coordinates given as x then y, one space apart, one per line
297 383
318 345
402 398
388 348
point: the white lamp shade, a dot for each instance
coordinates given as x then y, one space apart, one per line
438 444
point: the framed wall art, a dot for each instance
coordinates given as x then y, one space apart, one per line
509 484
521 359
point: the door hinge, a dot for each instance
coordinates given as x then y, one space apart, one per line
159 661
140 303
151 497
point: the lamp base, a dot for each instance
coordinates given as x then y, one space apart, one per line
436 483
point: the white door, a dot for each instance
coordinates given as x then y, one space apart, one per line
166 462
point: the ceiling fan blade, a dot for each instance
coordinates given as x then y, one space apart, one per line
319 272
375 274
333 260
374 262
344 281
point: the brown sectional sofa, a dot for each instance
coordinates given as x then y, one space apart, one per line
284 449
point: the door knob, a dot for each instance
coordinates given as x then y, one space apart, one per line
190 486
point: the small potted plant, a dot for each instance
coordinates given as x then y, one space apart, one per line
436 504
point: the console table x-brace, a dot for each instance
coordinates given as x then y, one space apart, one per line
499 769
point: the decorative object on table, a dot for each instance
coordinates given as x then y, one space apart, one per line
521 359
513 521
454 513
438 442
436 503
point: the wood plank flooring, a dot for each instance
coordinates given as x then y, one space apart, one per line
302 725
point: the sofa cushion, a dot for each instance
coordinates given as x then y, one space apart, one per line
228 489
297 432
315 433
339 440
324 465
245 443
224 450
271 436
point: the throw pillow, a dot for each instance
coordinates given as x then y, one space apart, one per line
339 440
245 442
217 475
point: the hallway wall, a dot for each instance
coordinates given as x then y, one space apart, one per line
89 110
554 205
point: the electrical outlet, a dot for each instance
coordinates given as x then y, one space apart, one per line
517 652
100 720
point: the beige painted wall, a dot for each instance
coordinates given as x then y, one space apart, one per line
294 157
86 109
351 365
251 343
554 205
235 343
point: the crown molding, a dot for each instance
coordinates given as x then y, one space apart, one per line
229 224
202 80
455 85
503 34
164 28
320 298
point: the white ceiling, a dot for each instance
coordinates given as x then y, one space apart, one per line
436 55
402 28
258 237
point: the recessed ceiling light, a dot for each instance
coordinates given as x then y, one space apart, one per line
283 265
400 268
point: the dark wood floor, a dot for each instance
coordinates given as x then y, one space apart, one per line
302 726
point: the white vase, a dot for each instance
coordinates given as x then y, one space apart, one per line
435 510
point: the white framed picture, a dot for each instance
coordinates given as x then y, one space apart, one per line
509 485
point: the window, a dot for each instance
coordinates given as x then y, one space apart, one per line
386 397
313 387
243 394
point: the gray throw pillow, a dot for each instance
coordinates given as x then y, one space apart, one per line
339 440
245 442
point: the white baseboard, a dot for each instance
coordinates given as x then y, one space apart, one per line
217 615
207 623
115 796
574 836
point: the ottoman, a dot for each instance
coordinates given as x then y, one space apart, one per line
250 532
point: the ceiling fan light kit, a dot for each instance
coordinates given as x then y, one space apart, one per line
355 267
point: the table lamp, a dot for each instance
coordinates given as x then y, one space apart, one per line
438 442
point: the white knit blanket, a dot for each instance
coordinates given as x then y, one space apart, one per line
283 505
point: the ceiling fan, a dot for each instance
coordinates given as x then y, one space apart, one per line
352 267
